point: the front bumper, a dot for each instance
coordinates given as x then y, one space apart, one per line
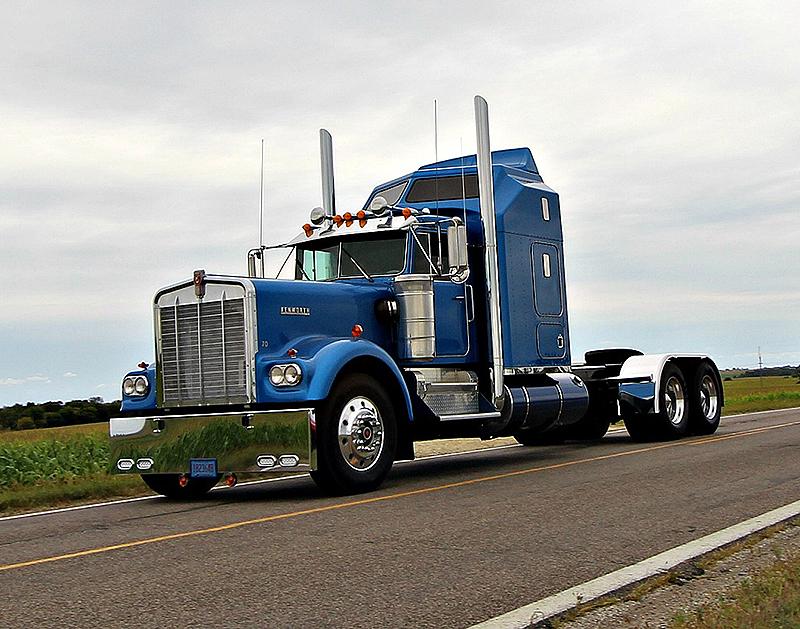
260 441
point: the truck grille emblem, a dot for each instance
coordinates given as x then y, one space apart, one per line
301 311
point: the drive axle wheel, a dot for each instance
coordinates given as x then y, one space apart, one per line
356 437
672 420
169 485
705 407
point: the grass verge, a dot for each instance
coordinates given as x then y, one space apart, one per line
747 395
768 600
22 498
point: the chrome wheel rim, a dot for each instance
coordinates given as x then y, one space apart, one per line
360 434
674 400
709 401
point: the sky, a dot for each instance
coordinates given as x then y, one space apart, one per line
130 156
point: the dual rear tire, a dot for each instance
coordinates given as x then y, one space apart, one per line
685 408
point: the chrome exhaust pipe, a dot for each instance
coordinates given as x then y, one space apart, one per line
326 162
486 194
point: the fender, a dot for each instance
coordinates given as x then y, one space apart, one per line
652 366
322 360
141 403
334 357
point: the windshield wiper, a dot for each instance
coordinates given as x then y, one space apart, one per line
358 266
300 267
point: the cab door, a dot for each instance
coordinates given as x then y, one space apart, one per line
451 318
451 302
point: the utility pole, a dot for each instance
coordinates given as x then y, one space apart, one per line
760 369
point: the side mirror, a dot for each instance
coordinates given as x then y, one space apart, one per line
457 252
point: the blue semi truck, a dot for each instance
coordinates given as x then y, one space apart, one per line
438 310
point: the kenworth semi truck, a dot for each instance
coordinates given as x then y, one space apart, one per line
438 310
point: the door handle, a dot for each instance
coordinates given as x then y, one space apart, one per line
560 341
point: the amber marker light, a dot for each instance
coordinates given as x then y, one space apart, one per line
357 331
406 212
348 219
308 229
338 220
362 218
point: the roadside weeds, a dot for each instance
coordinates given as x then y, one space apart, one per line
752 583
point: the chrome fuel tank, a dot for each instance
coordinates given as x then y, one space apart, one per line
416 331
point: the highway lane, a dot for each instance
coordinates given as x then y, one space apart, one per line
446 542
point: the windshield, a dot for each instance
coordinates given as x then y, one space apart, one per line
382 254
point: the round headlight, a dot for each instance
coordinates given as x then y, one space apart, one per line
141 385
276 376
128 386
292 374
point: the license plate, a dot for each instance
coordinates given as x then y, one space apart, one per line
203 468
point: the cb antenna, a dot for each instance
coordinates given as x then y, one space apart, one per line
463 179
261 203
436 150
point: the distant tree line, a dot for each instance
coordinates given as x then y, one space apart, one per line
51 414
786 370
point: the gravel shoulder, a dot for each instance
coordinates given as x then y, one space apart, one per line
704 581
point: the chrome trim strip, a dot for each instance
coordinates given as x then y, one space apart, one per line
486 191
490 415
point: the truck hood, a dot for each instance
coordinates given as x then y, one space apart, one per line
294 312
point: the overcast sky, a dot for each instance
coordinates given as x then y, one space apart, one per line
130 139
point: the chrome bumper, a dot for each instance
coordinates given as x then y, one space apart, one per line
263 441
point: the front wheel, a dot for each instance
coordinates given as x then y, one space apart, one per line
356 437
169 485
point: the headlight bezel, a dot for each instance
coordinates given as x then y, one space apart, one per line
285 375
135 386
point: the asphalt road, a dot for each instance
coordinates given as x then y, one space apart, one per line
446 542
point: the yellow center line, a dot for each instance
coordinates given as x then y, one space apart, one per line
395 496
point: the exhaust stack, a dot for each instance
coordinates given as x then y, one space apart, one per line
486 194
326 162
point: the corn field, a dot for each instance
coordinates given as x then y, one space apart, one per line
30 463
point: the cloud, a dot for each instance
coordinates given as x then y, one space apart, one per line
69 374
27 380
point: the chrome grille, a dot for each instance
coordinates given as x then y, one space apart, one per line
203 352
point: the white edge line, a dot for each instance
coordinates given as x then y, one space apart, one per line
110 503
558 603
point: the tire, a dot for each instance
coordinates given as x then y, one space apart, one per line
705 400
356 437
167 485
672 420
